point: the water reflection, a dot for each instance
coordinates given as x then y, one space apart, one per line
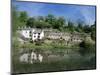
38 55
31 57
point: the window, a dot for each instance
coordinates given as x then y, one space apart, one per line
30 32
38 36
39 33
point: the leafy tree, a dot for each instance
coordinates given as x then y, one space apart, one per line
15 20
71 26
87 47
93 35
60 22
50 19
93 31
40 24
87 29
40 18
31 22
23 18
79 27
54 24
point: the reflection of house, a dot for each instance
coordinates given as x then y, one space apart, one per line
30 33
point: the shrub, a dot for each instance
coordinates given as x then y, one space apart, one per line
86 47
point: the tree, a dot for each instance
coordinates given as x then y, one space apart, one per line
23 18
70 26
87 29
93 35
42 24
60 22
93 31
15 20
86 47
31 22
40 18
50 19
79 27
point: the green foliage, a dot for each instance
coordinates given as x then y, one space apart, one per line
71 26
93 31
40 18
14 19
60 23
79 27
50 19
38 42
42 24
31 22
23 18
86 47
87 29
93 35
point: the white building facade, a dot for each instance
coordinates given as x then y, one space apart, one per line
31 33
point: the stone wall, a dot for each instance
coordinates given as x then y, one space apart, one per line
68 37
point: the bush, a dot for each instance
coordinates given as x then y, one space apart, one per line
86 47
39 42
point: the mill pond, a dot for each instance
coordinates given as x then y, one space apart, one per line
49 60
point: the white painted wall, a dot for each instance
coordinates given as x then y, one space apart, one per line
42 35
25 33
34 36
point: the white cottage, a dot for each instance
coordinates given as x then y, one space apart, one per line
27 33
37 34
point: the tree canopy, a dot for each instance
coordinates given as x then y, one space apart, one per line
21 19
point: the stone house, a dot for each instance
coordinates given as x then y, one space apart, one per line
37 34
73 37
